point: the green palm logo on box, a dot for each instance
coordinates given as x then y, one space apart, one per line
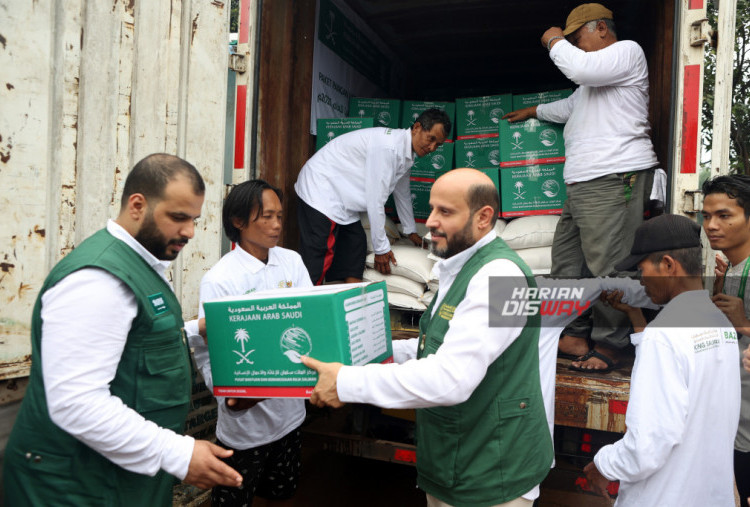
241 336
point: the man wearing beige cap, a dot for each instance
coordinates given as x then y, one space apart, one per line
609 166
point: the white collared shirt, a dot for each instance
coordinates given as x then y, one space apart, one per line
606 119
86 318
469 347
238 273
683 410
356 172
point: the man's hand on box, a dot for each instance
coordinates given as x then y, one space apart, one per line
325 392
237 404
521 114
383 262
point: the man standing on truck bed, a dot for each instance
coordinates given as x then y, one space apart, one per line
110 380
609 166
685 388
481 432
726 220
356 172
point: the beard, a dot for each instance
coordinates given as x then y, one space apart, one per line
459 242
155 242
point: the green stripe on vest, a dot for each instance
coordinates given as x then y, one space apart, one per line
495 446
44 465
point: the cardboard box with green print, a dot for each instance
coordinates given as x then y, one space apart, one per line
384 112
411 109
531 190
524 100
255 341
481 115
478 153
531 142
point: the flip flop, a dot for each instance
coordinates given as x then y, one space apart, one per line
611 365
572 357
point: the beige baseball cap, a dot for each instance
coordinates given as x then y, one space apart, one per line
583 14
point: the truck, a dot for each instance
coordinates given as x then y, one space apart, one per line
92 87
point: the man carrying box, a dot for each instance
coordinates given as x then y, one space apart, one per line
264 434
481 431
109 388
609 166
356 172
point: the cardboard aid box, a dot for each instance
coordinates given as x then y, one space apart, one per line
531 142
255 340
385 112
411 109
533 99
478 152
532 190
481 115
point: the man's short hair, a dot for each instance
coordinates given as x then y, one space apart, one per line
432 116
591 25
736 186
689 258
240 203
481 195
151 175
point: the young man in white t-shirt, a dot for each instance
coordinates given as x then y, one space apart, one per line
264 434
726 221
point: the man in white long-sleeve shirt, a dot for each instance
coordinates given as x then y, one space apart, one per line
354 173
481 432
684 391
609 165
110 381
264 434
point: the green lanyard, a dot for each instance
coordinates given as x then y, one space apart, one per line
743 281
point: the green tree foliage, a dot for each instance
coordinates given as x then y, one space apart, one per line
234 21
739 143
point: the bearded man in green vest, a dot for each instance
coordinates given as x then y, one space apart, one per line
472 375
110 382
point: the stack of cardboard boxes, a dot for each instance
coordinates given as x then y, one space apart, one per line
532 154
477 141
524 160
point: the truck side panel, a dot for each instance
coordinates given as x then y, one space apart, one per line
89 89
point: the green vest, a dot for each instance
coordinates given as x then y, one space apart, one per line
495 446
44 465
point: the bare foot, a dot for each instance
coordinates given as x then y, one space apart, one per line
573 345
601 358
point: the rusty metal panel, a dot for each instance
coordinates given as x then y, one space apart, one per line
88 89
591 400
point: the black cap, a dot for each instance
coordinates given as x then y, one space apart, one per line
665 232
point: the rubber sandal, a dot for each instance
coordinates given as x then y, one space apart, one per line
572 357
611 365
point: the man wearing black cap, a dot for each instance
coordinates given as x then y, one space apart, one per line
684 396
609 165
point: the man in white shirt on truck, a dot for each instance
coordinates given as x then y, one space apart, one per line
685 388
354 173
609 166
